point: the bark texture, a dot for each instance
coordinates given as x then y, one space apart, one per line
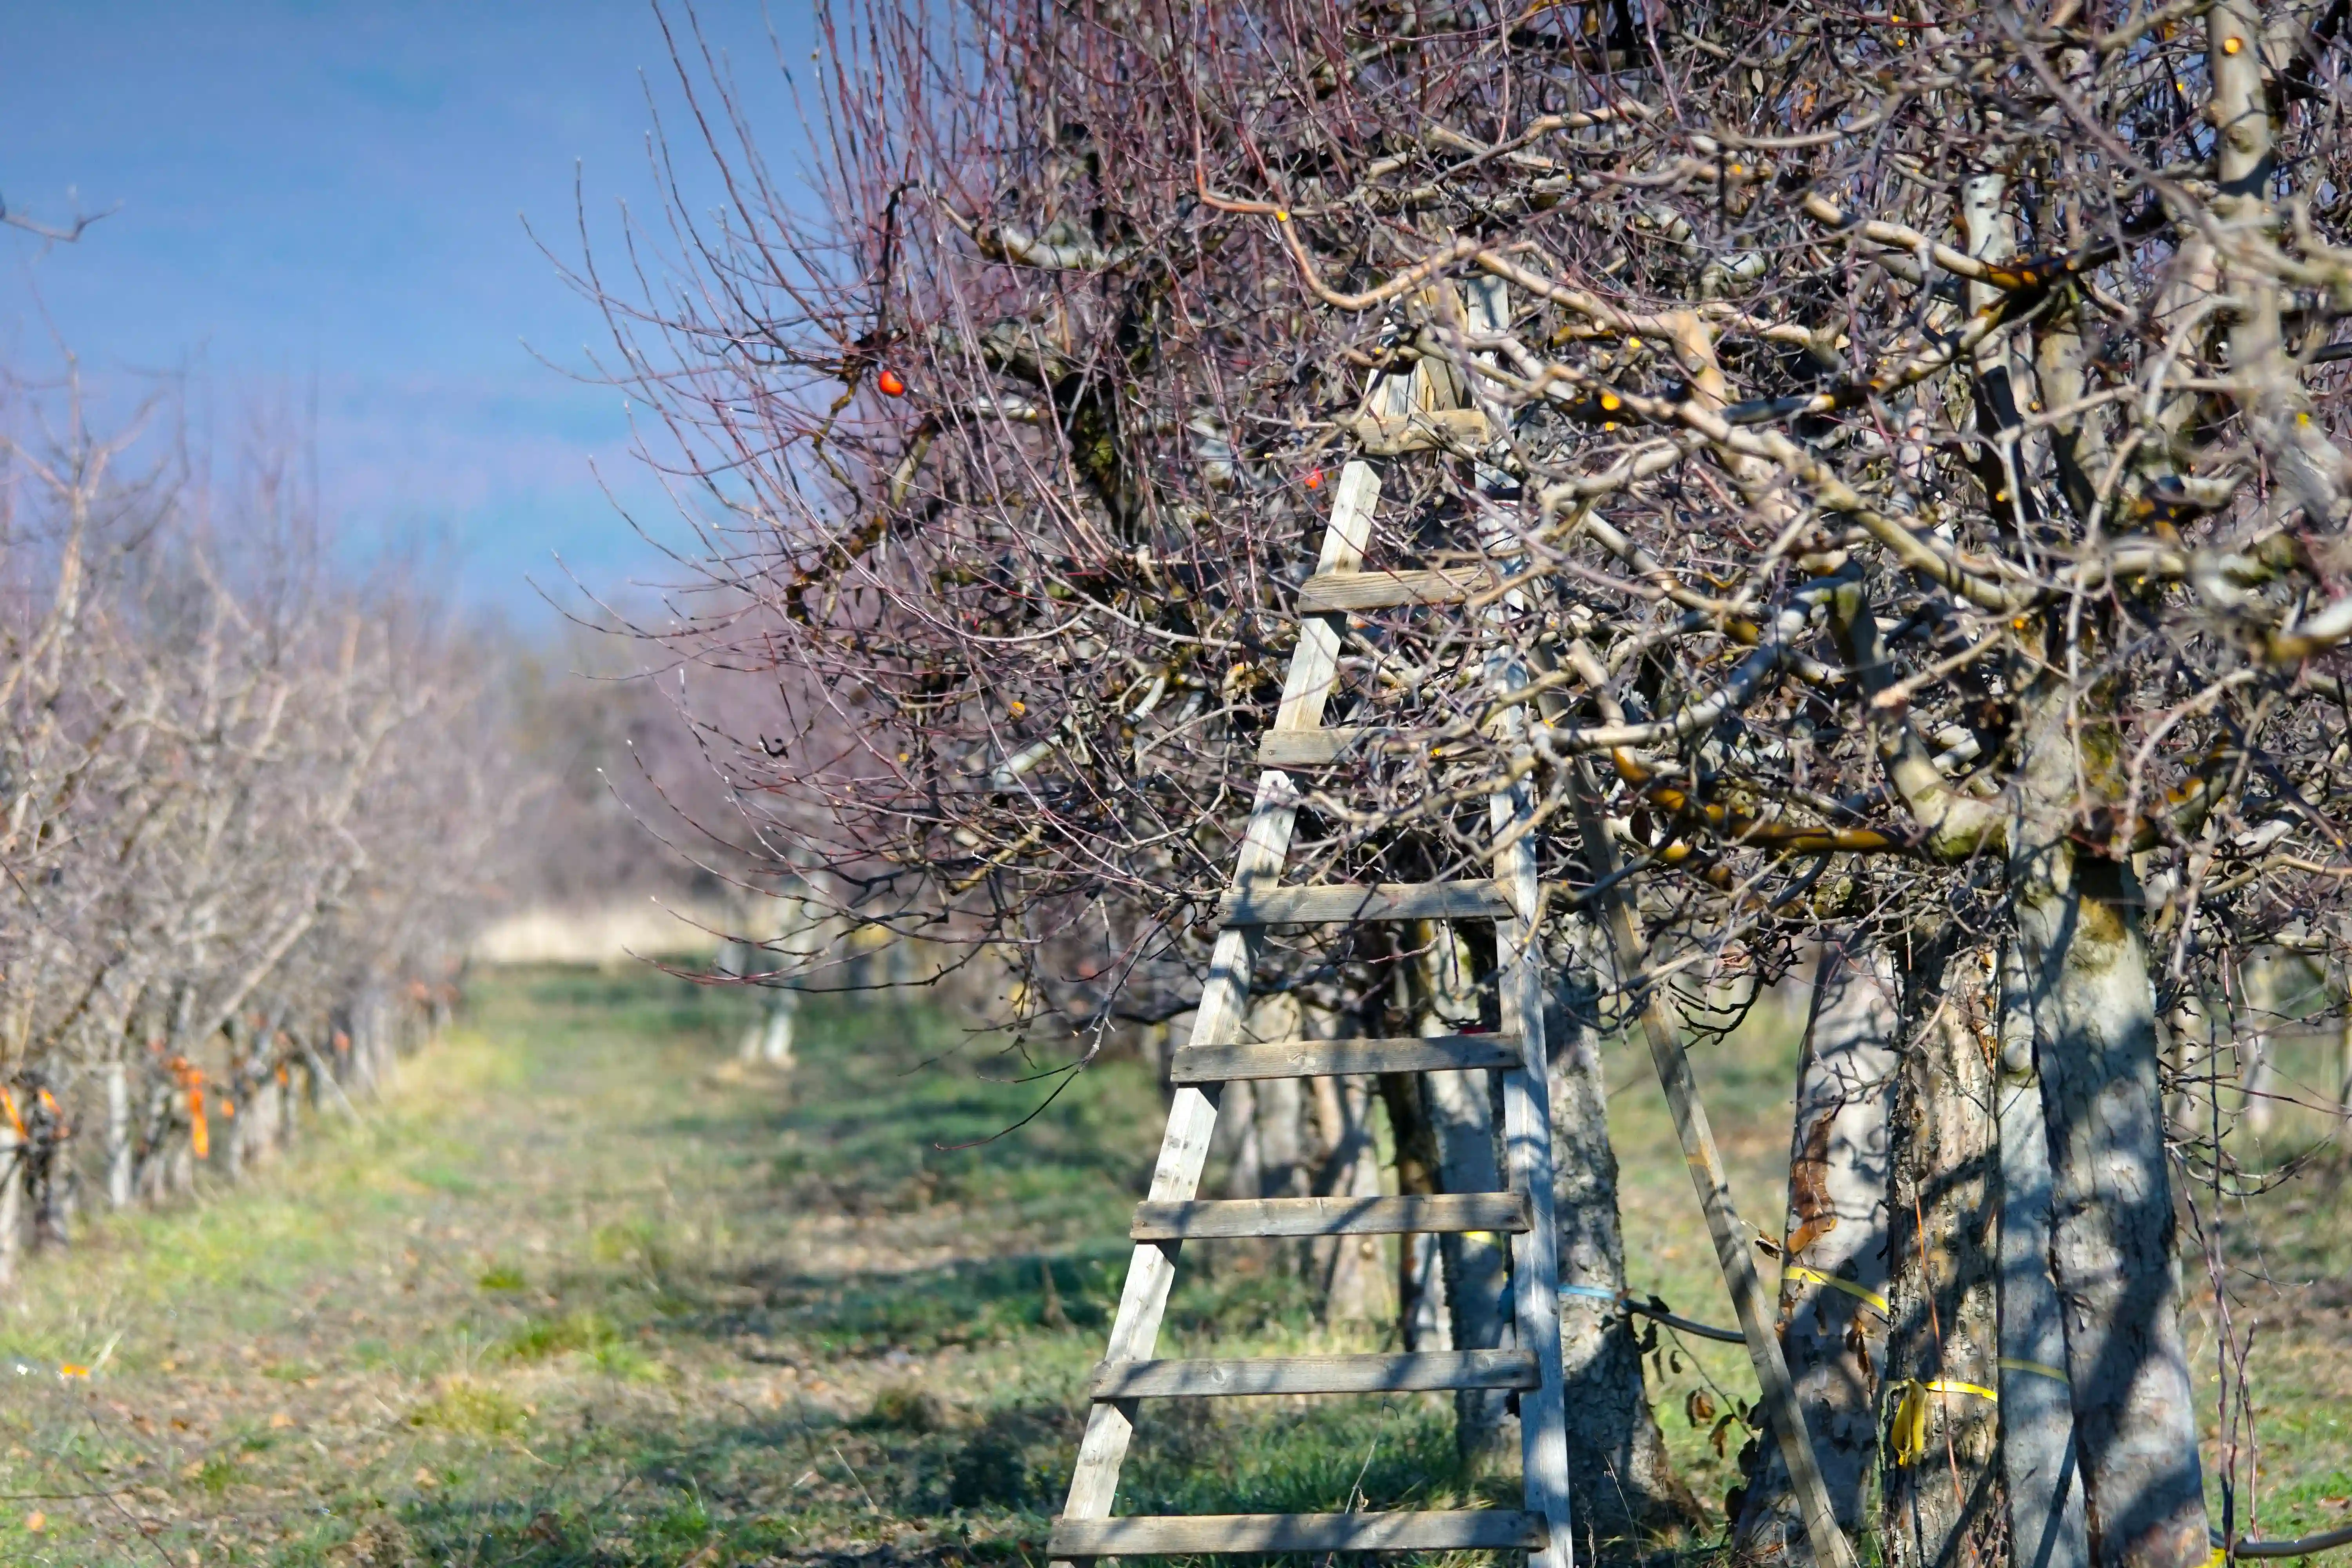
1352 1269
1943 1502
1460 1109
1266 1118
2112 1234
2037 1444
1421 1294
1625 1494
1838 1172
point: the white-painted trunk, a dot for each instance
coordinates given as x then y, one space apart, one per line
119 1151
2113 1243
12 1201
1942 1500
2037 1418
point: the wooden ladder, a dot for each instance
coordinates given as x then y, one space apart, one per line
1213 1057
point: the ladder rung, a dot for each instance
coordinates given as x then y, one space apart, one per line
1452 1529
1477 898
1416 1213
1405 1372
1336 1059
1329 591
1318 748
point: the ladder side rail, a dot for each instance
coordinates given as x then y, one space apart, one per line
1528 1152
1527 1088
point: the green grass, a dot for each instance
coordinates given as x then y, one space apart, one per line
579 1290
583 1291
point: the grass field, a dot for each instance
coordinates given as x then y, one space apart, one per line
582 1291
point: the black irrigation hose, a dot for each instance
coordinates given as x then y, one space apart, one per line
1656 1309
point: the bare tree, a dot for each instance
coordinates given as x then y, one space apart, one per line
246 812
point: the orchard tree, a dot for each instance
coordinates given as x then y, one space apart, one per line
1904 445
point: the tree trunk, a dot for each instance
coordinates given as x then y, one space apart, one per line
1421 1286
118 1134
1624 1494
1281 1117
1265 1116
1238 1111
776 1025
2190 1037
1352 1269
12 1187
2344 1080
1460 1116
1345 1163
1942 1492
358 1065
2265 992
2037 1444
1838 1174
1477 1269
235 1103
2112 1235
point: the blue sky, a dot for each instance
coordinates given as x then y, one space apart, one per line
322 206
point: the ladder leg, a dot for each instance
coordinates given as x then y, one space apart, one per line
1527 1139
1527 1090
1183 1152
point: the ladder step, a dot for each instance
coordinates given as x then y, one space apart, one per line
1475 899
1319 748
1451 1529
1416 1213
1330 591
1338 1058
1400 1373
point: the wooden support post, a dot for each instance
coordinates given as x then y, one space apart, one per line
1831 1548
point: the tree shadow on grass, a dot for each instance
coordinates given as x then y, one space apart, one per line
914 1480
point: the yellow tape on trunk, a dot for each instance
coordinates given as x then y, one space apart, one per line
1799 1271
2038 1368
1911 1412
